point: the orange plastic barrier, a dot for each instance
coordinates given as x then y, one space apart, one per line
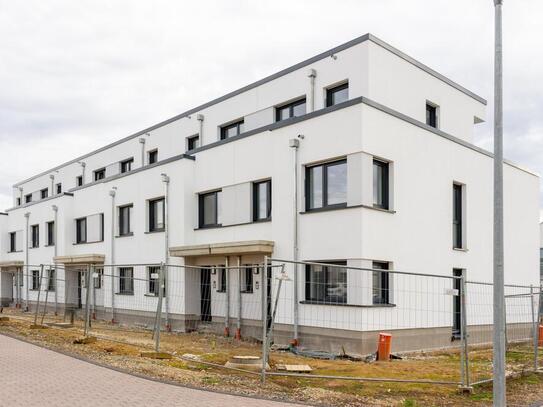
385 345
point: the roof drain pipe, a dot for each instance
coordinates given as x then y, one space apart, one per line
142 142
312 74
83 165
227 286
55 253
200 118
112 195
166 181
27 217
52 176
295 144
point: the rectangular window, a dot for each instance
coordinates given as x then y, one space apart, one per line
193 142
79 180
18 201
50 226
126 165
294 109
154 283
381 283
99 275
247 279
81 230
457 217
208 208
28 198
326 284
222 280
233 129
35 236
13 241
35 279
457 309
125 219
126 280
99 174
262 200
59 188
152 156
51 280
156 215
326 185
337 94
380 184
44 193
431 115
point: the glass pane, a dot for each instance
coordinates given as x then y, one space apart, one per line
339 96
159 214
337 285
377 184
315 186
210 205
317 288
337 183
298 110
284 113
263 200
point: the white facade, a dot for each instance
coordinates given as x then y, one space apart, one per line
384 118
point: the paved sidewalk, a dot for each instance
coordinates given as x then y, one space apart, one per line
34 376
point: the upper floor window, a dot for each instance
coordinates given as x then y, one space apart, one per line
233 129
99 174
326 284
35 236
59 188
81 230
431 115
458 241
208 209
337 94
326 185
18 201
13 241
262 200
50 226
381 283
293 109
125 218
79 180
28 198
380 184
152 156
156 215
193 142
44 193
126 165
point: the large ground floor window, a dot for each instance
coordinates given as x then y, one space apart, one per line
326 284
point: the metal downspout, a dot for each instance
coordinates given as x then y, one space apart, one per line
166 180
112 237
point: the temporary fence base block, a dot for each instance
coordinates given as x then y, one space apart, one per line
38 326
246 362
64 325
4 319
156 355
465 389
85 340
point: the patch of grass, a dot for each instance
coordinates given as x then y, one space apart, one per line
210 380
409 403
481 396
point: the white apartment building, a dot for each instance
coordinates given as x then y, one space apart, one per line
360 156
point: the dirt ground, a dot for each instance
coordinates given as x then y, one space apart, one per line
121 348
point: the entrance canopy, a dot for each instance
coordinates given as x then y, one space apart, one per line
11 265
80 259
263 247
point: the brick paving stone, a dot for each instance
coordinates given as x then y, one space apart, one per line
34 376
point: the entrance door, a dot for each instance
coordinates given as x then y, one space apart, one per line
205 294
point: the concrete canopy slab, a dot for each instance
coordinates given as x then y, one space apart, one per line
224 248
10 264
91 258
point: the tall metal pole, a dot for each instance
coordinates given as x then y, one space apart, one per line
499 300
166 181
112 272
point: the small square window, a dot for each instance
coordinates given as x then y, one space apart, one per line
44 193
431 115
79 180
152 156
233 129
99 174
294 109
28 198
337 94
193 142
326 185
126 165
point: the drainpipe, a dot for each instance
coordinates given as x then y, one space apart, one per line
142 142
55 237
311 74
166 181
295 144
27 216
21 194
83 165
238 329
227 312
112 195
200 118
52 176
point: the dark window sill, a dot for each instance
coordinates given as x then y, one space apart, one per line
34 247
262 220
339 207
348 305
98 241
151 295
221 291
126 235
15 251
125 293
49 245
247 292
154 231
209 226
327 208
460 249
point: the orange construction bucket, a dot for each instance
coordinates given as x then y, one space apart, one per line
385 345
540 338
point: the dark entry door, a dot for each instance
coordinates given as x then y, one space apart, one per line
205 294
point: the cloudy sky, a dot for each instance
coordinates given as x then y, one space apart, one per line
75 75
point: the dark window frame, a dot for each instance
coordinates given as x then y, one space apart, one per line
432 115
191 141
59 188
28 198
35 236
126 165
326 270
153 225
35 280
331 91
201 212
381 290
290 106
12 242
50 231
44 193
97 283
152 156
79 238
51 282
457 304
122 226
256 200
18 201
238 124
457 222
221 275
324 186
385 183
79 181
247 283
126 283
99 174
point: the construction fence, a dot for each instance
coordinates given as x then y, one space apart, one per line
300 312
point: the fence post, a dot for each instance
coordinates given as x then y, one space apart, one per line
535 322
46 294
264 319
112 278
56 289
158 318
39 291
464 333
90 269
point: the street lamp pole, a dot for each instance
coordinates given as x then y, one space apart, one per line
499 299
